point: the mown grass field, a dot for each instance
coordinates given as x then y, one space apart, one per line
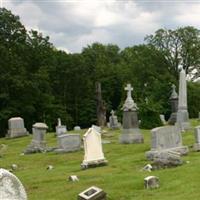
121 179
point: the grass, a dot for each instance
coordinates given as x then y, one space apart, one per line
121 179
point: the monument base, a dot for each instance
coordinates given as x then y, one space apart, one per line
183 120
172 119
183 150
14 133
36 147
130 136
196 147
94 163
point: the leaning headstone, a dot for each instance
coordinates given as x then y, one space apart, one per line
174 106
10 187
162 118
113 121
77 128
38 143
94 155
165 139
182 114
60 129
131 132
197 138
151 182
16 128
92 193
68 143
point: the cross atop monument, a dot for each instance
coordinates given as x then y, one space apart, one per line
174 95
129 89
112 112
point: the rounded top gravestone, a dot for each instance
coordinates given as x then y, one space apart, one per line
40 125
11 187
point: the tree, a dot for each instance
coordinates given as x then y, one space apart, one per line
181 47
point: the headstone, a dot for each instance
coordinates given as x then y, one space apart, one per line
130 132
10 187
101 107
113 121
174 106
197 138
38 144
165 139
16 128
151 182
92 193
182 114
68 143
77 128
162 118
94 155
60 129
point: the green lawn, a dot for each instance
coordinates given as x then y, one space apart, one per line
121 179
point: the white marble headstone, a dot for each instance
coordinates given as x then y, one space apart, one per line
10 187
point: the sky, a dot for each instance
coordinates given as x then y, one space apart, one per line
74 24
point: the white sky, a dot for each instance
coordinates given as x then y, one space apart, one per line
73 24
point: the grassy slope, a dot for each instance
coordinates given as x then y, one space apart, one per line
121 179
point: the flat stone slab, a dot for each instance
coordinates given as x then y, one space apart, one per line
10 187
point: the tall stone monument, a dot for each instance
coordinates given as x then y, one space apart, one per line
101 107
174 106
16 128
113 121
182 114
130 132
60 129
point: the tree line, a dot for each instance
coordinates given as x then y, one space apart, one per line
40 83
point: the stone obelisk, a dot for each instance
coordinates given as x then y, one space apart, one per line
130 132
182 114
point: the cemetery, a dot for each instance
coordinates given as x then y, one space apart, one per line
106 123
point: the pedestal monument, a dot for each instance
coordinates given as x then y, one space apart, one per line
130 132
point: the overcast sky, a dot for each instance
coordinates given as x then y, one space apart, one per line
73 24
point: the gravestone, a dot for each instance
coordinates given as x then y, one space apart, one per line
68 143
16 128
166 138
174 106
130 132
197 138
38 144
92 193
10 187
162 118
77 128
60 129
93 149
182 114
151 182
113 121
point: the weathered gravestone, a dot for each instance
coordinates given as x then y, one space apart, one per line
162 118
10 187
68 143
38 144
16 128
77 128
131 132
93 149
113 121
182 114
197 138
92 193
60 129
151 182
174 106
166 138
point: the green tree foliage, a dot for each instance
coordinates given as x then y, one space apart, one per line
40 83
181 47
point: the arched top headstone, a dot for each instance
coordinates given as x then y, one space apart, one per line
11 187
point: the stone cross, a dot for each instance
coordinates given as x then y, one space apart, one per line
174 94
112 113
129 89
